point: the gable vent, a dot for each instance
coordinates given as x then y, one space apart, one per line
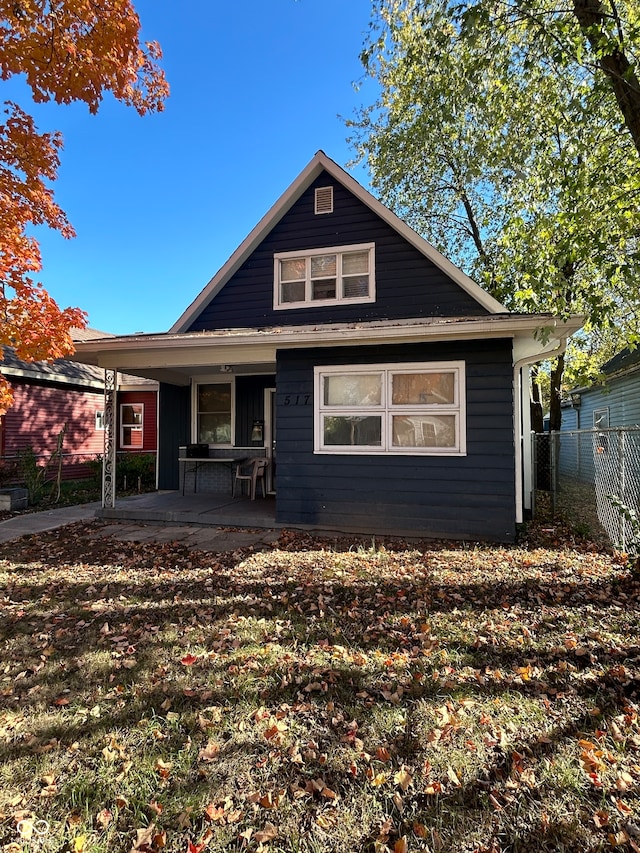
324 200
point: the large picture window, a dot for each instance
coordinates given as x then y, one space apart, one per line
399 408
214 408
324 276
131 424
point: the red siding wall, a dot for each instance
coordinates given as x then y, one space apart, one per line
149 421
38 415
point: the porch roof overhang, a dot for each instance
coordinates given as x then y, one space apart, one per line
176 357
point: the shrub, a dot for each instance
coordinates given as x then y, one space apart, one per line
133 471
32 473
95 466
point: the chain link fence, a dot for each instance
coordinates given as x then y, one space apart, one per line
73 465
585 472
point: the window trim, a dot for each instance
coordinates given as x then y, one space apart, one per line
597 416
387 409
135 427
323 303
99 420
213 380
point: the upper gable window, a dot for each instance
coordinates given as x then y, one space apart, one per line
325 276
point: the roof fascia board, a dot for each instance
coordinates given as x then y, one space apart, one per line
319 163
164 351
139 388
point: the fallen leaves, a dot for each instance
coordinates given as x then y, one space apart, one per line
305 686
210 752
144 839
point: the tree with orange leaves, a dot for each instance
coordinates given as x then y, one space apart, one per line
67 50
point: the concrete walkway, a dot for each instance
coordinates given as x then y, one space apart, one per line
38 522
202 537
215 539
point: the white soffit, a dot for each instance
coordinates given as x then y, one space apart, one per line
250 346
319 163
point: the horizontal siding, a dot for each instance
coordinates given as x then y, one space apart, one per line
40 412
465 497
407 283
149 420
621 395
578 454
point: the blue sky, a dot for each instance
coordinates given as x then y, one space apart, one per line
159 203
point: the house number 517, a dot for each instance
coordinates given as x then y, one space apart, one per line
296 399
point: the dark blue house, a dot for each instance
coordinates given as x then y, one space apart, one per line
388 390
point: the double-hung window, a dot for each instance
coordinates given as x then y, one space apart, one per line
131 424
324 276
214 413
416 409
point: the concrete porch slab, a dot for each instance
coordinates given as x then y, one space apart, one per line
206 509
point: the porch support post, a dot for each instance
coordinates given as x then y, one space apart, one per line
109 456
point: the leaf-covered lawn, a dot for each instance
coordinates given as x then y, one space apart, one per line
320 696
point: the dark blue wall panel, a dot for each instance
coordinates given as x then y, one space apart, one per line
471 497
174 406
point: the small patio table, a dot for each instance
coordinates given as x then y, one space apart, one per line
197 462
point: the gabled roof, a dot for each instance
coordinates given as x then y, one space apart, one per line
304 180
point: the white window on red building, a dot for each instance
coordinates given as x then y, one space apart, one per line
131 423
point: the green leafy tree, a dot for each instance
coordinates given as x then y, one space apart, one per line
504 146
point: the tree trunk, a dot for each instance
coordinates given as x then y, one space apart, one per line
537 414
612 60
555 410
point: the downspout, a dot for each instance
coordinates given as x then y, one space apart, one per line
517 426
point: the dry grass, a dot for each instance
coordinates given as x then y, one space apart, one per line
320 696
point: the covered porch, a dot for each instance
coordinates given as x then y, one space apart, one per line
216 404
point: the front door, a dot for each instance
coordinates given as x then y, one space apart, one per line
270 436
